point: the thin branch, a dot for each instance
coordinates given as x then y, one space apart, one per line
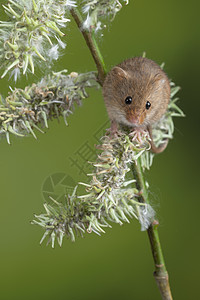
160 274
92 45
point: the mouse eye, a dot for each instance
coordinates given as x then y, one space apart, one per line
128 100
148 105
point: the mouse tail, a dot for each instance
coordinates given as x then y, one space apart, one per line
155 149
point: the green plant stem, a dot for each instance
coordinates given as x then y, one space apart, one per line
92 45
160 273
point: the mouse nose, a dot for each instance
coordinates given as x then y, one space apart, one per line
134 117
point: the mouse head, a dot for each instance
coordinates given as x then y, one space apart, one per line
136 98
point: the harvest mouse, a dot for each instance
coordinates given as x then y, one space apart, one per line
136 94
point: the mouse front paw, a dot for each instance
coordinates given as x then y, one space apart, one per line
139 135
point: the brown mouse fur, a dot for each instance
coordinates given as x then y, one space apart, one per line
143 80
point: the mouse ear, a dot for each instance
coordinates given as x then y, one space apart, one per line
119 72
160 79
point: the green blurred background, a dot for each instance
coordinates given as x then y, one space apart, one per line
117 265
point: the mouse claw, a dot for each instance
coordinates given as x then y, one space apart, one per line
139 135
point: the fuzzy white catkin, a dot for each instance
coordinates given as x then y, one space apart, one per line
22 47
145 216
98 11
